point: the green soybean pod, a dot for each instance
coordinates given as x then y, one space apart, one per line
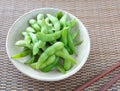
34 24
55 22
50 60
65 55
70 42
67 64
75 34
30 29
36 27
49 37
32 21
48 52
35 48
59 15
63 20
71 23
48 25
21 54
40 17
27 37
34 65
61 68
49 67
78 42
29 61
20 43
33 37
64 36
44 27
69 50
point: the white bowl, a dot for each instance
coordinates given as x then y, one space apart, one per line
21 24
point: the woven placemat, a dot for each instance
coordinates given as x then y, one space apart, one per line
101 18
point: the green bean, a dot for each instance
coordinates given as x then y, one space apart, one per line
64 54
50 60
48 52
59 15
64 36
55 22
30 29
60 68
48 37
75 34
63 20
67 64
21 54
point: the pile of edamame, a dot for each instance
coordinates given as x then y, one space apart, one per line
49 42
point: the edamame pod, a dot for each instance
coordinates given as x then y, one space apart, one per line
63 20
34 24
49 67
65 55
40 17
67 64
29 61
75 34
70 42
48 37
64 36
50 60
55 22
48 52
59 15
27 37
60 68
21 54
30 29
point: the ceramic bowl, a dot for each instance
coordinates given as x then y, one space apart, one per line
21 24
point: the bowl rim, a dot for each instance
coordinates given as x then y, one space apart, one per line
59 78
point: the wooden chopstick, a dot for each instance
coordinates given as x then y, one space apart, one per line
105 72
110 83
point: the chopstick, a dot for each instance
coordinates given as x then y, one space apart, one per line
110 83
105 72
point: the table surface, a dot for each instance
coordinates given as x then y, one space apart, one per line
101 18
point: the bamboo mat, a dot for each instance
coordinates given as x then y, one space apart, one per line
101 18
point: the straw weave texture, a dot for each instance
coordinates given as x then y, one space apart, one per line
101 18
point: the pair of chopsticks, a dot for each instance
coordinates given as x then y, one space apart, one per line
105 72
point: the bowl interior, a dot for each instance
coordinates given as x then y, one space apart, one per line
21 24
